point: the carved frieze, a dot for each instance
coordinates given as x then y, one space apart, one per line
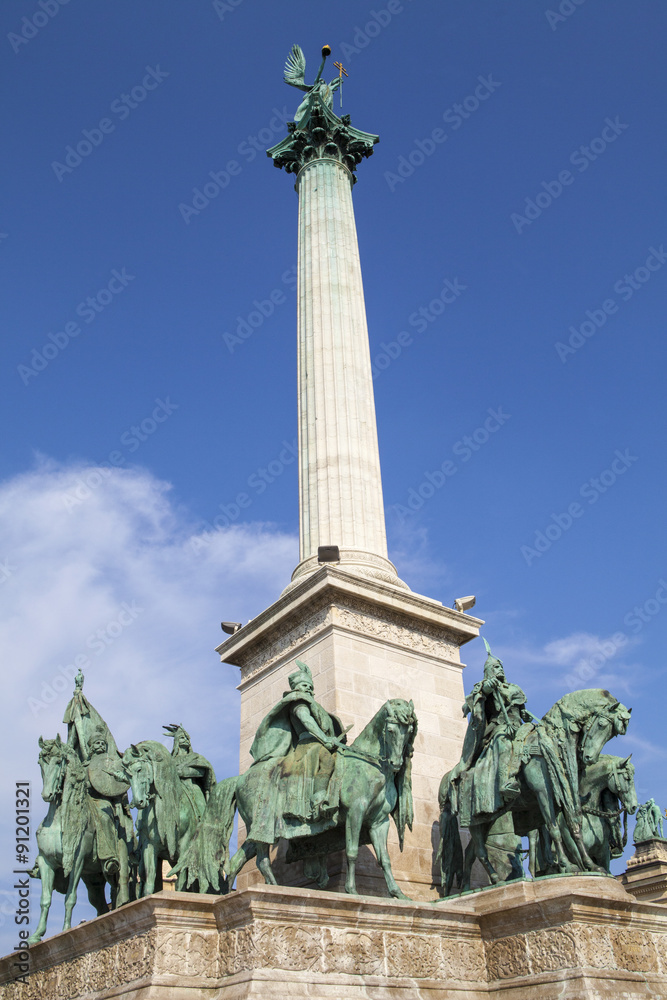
355 952
298 632
118 964
357 616
633 950
508 958
389 626
551 950
416 956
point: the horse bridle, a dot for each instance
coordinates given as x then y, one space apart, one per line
589 725
383 758
143 758
61 765
611 814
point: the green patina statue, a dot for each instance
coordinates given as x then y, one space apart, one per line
195 772
534 772
305 785
497 710
295 70
649 823
169 792
88 832
316 132
301 792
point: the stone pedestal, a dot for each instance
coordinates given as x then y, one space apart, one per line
566 938
365 641
646 875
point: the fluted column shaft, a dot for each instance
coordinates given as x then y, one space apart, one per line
340 486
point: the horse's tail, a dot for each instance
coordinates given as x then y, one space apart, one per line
449 856
205 859
450 851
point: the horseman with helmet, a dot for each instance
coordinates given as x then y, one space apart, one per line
295 744
115 841
195 772
485 777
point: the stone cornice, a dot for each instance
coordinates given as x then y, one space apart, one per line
333 598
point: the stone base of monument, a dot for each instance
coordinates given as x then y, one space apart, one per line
646 875
364 641
565 937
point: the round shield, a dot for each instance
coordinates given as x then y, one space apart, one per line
101 773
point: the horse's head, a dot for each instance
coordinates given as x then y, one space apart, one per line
593 716
596 734
53 765
400 729
138 768
608 718
624 783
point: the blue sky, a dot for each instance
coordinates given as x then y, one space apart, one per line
513 233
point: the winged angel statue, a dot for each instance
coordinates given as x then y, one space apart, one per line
295 69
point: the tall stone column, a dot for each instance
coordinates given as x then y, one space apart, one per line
340 486
365 636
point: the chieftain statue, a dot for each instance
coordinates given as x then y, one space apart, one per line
306 782
533 773
486 774
89 735
169 792
300 789
195 772
88 832
649 823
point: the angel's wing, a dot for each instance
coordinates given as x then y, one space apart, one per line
295 68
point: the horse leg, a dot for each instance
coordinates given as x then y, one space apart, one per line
577 836
379 836
264 864
123 895
96 896
532 851
246 851
479 832
548 810
70 896
149 857
47 875
468 861
353 823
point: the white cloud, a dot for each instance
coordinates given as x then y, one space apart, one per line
72 570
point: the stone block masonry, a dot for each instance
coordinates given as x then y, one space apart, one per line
566 937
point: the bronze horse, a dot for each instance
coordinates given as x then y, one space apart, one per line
375 783
555 753
66 837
